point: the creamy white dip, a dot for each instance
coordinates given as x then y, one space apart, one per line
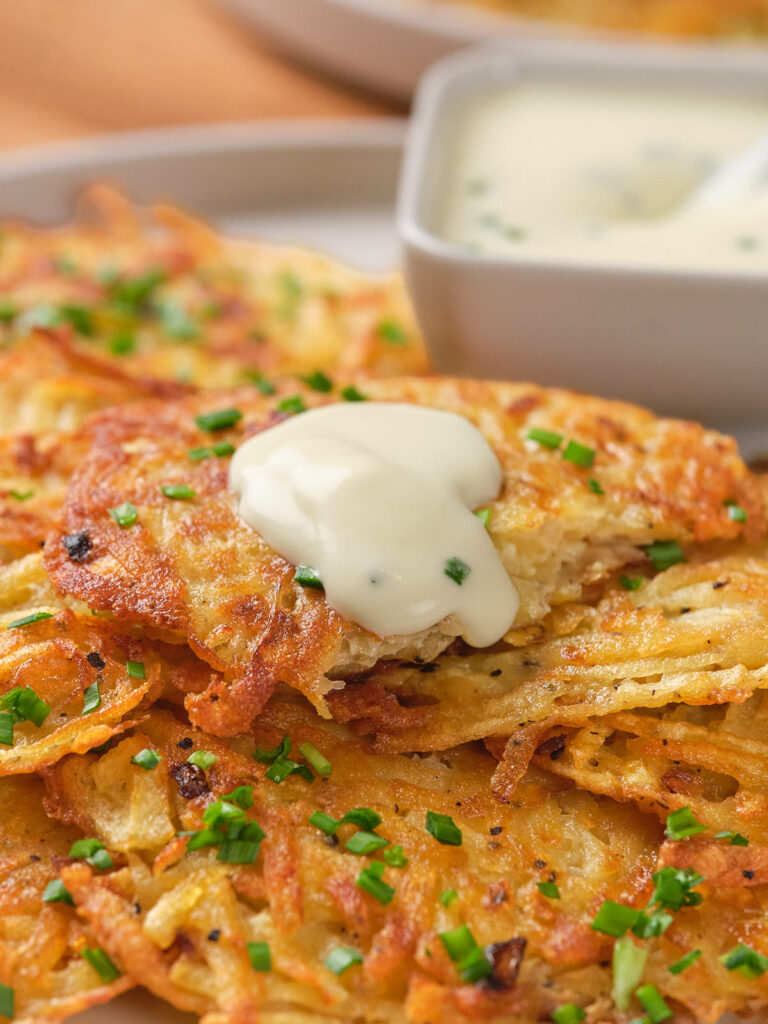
582 173
376 500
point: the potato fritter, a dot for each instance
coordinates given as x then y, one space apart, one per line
158 295
182 919
194 571
41 943
741 18
709 758
695 634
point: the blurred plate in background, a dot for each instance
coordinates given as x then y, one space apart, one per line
386 45
328 185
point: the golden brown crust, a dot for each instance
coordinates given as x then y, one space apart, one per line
154 294
195 571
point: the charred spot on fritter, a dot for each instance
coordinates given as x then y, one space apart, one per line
95 660
77 545
191 780
505 959
552 748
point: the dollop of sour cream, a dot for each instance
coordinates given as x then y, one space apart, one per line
377 498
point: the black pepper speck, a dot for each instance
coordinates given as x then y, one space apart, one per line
77 545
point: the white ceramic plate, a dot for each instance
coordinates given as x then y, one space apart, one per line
327 185
386 45
330 186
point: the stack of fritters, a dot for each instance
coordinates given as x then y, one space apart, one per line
218 788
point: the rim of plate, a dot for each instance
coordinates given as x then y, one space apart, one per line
224 137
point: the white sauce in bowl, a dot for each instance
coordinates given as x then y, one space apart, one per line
377 499
571 171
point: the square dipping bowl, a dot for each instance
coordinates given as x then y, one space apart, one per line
686 341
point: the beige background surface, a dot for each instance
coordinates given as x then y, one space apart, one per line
78 67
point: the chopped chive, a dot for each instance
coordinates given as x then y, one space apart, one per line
147 759
136 669
456 570
745 961
280 769
101 963
365 842
369 881
259 955
341 958
21 495
579 454
548 889
29 620
318 381
242 797
351 394
24 705
443 828
395 857
684 962
270 756
363 817
614 919
292 404
391 332
631 582
484 515
629 961
475 966
7 722
121 343
568 1013
313 756
307 577
93 852
260 382
448 896
79 318
672 888
222 448
219 449
652 1002
682 823
238 851
663 554
7 1001
594 486
203 759
458 943
57 892
734 838
735 512
91 698
324 822
134 291
219 420
178 491
125 514
547 438
8 312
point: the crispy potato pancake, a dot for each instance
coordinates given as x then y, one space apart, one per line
658 17
193 570
95 680
41 943
48 384
159 295
711 759
695 634
181 921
